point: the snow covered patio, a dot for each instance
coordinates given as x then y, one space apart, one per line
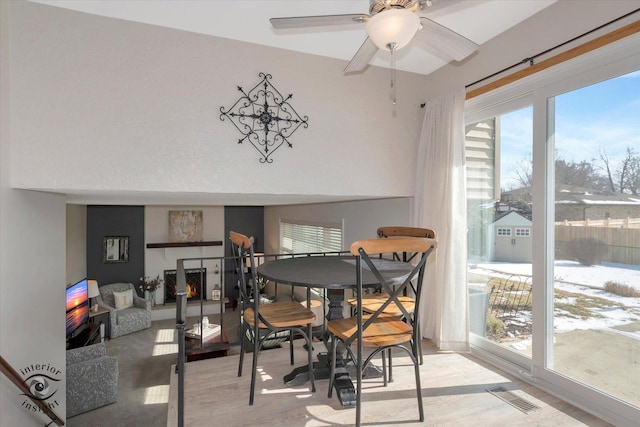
596 332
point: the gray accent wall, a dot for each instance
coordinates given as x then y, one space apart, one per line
248 220
115 221
76 242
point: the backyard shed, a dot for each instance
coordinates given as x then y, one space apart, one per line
511 238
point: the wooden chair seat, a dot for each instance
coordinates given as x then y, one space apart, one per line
287 316
372 302
384 331
281 315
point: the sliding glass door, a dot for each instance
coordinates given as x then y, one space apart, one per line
553 195
499 208
596 262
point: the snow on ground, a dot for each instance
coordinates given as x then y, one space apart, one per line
597 275
588 280
624 310
574 272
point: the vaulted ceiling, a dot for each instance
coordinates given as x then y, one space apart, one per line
248 20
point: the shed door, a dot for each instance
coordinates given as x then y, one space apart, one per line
504 244
522 244
513 244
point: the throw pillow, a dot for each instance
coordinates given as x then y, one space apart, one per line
123 299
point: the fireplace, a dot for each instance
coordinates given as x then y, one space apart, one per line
193 275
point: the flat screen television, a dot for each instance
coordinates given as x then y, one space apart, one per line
77 299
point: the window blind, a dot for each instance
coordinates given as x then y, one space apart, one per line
300 238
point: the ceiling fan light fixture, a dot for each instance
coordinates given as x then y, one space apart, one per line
393 28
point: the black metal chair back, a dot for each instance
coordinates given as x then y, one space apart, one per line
242 248
364 250
376 330
279 321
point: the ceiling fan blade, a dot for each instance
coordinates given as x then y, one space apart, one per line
363 56
318 21
443 41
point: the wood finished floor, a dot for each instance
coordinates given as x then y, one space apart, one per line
453 387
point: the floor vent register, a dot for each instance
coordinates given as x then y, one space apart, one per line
513 400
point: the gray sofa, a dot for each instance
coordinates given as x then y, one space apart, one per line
92 379
126 320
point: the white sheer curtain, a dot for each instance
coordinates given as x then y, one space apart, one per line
440 204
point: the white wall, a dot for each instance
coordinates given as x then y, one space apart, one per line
128 106
156 230
32 284
32 272
76 242
555 24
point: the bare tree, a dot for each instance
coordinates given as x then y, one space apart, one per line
626 176
618 176
579 174
632 180
524 172
607 169
623 171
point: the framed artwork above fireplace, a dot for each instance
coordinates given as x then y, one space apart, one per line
185 226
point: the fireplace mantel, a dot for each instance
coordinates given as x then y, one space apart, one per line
183 244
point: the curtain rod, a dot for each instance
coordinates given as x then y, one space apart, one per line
531 59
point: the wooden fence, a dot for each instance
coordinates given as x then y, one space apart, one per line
621 236
608 222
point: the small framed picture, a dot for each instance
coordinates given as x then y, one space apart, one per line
115 249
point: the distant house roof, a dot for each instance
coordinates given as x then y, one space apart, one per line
585 196
570 194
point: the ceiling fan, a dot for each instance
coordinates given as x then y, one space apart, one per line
391 25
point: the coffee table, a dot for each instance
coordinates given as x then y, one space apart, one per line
212 345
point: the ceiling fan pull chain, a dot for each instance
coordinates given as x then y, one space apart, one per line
392 48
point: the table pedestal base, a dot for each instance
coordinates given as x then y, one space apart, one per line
342 383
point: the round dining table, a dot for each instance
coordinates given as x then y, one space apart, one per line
331 271
335 274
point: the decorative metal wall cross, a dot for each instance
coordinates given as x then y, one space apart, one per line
265 118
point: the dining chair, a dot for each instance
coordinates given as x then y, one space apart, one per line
400 231
260 322
376 330
373 301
